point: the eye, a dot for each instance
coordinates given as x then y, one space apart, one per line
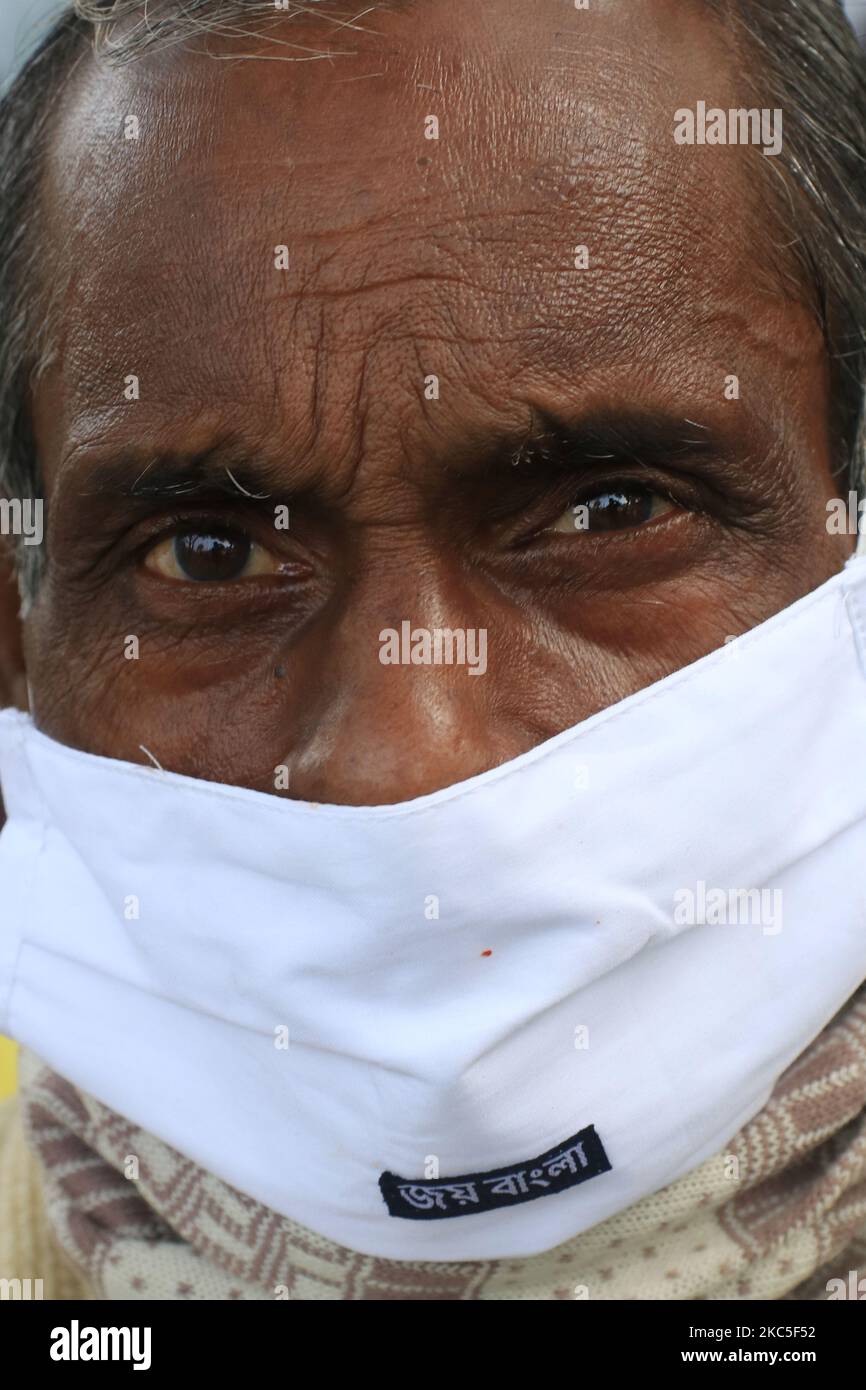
210 555
616 508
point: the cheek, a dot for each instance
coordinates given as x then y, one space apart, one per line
659 627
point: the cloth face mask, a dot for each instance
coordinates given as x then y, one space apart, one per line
471 1025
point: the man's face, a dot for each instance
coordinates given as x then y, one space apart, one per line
304 380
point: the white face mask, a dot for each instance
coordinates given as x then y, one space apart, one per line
471 1025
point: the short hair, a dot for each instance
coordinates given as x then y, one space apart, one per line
800 55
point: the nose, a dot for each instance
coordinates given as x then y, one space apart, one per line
398 701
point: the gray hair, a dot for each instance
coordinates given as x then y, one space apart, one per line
801 55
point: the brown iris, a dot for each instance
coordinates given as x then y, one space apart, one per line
619 507
211 555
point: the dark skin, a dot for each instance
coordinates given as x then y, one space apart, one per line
409 257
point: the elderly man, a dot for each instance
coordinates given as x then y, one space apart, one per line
353 355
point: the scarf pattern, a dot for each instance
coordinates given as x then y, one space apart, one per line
777 1215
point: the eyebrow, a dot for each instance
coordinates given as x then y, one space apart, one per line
639 436
224 469
554 442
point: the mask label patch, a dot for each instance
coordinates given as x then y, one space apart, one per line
573 1161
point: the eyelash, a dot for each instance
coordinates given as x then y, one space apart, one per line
537 528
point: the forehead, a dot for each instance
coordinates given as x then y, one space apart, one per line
405 254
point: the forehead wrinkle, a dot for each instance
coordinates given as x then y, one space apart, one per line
455 249
638 233
464 247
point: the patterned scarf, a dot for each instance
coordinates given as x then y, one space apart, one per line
777 1215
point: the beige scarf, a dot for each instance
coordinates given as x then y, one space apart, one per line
777 1215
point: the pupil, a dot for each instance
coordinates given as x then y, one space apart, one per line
209 555
608 510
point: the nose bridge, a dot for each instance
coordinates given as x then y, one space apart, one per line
402 707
